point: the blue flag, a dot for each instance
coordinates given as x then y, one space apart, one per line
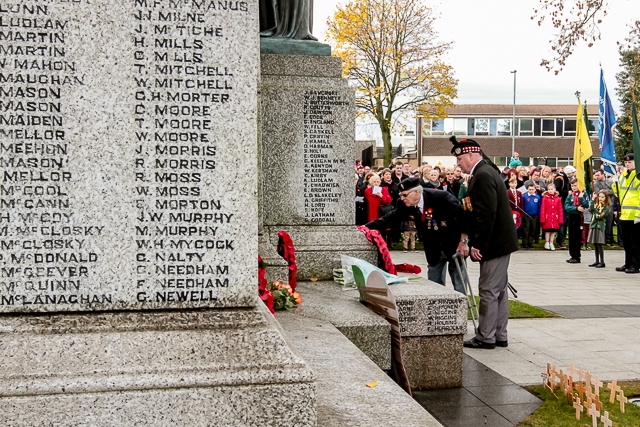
607 119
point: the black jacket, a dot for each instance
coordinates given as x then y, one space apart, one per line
446 214
489 223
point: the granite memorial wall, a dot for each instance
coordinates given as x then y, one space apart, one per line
126 130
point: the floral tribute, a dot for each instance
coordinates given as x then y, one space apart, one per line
288 252
284 297
384 257
280 296
263 292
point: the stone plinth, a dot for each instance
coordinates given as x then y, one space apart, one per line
307 114
152 369
433 321
130 130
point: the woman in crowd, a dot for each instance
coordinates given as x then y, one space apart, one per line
434 180
523 175
376 196
546 177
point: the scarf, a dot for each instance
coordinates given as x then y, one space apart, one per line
576 198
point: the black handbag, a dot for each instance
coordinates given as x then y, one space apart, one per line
385 209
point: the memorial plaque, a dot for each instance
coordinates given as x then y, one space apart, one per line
126 132
313 147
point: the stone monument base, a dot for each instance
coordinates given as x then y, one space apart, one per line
174 368
318 249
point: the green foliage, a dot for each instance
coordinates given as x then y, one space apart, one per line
520 310
556 412
628 81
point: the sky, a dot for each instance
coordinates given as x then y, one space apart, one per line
493 37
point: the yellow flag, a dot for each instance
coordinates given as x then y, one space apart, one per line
582 151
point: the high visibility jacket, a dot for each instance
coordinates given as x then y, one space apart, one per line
628 190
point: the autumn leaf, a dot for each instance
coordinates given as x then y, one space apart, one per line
372 384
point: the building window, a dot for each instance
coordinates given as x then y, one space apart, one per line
437 127
559 126
593 127
504 127
455 126
493 123
548 127
501 162
563 162
570 127
526 127
482 126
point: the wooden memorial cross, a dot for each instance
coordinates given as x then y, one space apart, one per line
581 389
597 401
605 419
587 378
552 379
376 295
589 402
572 370
545 375
578 406
597 384
622 399
594 414
614 387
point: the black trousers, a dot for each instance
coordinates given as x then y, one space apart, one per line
529 226
631 237
574 222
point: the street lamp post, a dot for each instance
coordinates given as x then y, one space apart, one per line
513 123
419 139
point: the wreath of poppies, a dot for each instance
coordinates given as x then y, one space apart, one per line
517 218
384 257
263 291
287 251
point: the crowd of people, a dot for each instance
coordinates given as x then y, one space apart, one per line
546 205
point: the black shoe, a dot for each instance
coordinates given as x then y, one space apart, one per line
601 265
502 343
632 270
621 268
476 343
573 261
595 264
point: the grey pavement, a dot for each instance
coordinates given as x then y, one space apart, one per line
600 327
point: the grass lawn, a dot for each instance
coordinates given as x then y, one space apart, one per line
520 310
555 412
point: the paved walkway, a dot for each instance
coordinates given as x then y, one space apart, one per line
601 324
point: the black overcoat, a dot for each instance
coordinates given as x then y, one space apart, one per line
440 233
489 223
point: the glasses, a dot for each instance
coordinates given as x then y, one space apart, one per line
405 195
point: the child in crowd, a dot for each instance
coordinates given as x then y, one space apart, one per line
531 202
515 200
599 208
575 203
551 215
408 229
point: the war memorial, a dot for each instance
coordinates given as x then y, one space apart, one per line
130 228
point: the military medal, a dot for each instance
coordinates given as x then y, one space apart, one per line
428 217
